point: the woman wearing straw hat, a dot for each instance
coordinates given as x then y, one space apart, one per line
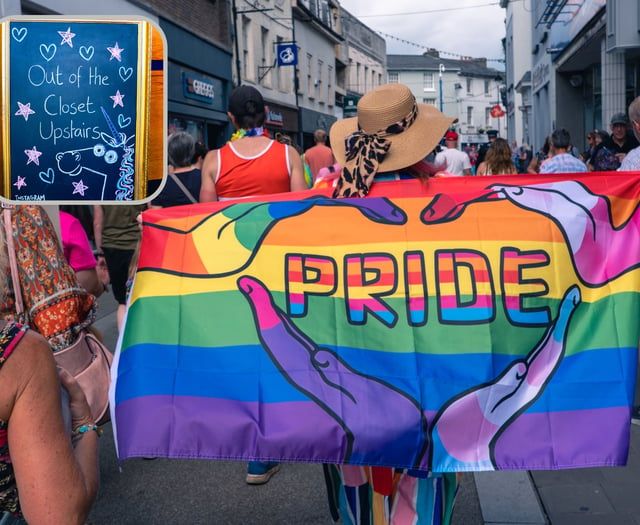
388 140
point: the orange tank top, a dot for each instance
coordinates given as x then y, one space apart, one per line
265 173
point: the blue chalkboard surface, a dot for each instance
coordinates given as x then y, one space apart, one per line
74 91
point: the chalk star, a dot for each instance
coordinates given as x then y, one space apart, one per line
20 182
117 99
34 156
79 187
25 110
116 52
66 37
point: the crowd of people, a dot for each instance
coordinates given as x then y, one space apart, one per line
604 151
41 452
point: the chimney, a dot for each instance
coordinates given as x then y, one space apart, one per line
432 52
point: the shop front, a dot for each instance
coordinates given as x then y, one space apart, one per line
199 80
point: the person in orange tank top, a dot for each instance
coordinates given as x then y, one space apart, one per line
251 163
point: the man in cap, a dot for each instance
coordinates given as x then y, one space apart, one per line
492 135
619 143
632 161
456 162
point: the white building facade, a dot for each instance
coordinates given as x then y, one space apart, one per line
585 64
518 71
317 32
363 59
464 89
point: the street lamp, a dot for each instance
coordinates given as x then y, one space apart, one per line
441 69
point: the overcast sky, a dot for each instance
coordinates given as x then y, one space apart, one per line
465 27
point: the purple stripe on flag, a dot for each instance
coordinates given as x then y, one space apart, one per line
598 437
184 426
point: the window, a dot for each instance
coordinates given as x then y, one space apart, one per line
428 81
310 88
330 85
318 82
486 87
246 66
429 101
469 85
324 13
279 80
393 77
470 115
265 73
487 117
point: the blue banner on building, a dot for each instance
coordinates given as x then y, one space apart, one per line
287 55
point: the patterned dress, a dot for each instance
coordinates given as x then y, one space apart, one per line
362 495
55 304
367 495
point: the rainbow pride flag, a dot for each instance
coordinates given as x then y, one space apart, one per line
471 323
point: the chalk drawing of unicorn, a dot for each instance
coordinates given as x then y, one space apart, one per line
96 166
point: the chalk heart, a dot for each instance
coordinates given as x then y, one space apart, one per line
47 176
86 52
123 121
125 73
48 51
18 33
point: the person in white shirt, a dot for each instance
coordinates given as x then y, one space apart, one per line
457 162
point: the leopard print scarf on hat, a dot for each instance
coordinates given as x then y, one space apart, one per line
364 153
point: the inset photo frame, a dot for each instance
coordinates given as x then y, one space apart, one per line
84 113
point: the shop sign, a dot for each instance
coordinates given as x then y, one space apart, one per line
350 108
273 117
473 138
497 111
197 88
540 76
287 54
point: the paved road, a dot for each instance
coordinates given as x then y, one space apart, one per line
160 491
194 492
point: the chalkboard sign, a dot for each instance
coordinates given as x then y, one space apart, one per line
79 105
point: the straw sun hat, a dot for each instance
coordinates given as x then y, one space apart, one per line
378 111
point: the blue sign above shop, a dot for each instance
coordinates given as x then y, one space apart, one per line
198 88
287 55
